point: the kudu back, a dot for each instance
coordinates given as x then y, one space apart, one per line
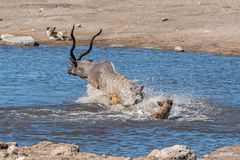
103 76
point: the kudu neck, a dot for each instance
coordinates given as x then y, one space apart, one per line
85 67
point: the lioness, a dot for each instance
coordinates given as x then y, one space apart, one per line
164 111
60 35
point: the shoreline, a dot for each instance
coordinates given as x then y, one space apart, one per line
106 43
195 26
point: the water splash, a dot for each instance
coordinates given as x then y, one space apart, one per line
185 107
94 96
96 107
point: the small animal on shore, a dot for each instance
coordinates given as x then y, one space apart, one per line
164 111
103 76
57 35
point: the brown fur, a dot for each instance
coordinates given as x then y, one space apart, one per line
103 76
57 35
164 111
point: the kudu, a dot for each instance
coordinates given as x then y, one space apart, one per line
103 76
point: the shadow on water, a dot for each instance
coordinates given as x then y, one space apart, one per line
38 101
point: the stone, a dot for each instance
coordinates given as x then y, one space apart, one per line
3 145
12 144
5 35
40 10
229 152
7 145
43 144
155 153
176 152
65 150
19 41
50 151
179 49
3 155
12 150
21 158
164 19
1 19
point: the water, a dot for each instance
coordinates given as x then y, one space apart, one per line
40 101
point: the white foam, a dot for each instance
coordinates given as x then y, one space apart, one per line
94 96
185 107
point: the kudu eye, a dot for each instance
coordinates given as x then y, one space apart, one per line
73 62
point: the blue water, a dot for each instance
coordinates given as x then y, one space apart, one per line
38 100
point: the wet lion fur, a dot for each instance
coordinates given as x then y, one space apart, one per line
164 111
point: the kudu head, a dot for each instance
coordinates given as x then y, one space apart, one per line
80 67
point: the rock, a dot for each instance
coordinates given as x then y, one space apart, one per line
12 150
19 41
50 151
164 19
155 153
12 144
179 49
21 158
3 145
7 145
40 10
1 19
176 152
79 25
42 144
5 35
65 149
230 152
3 155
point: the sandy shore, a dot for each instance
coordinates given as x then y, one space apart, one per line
208 26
